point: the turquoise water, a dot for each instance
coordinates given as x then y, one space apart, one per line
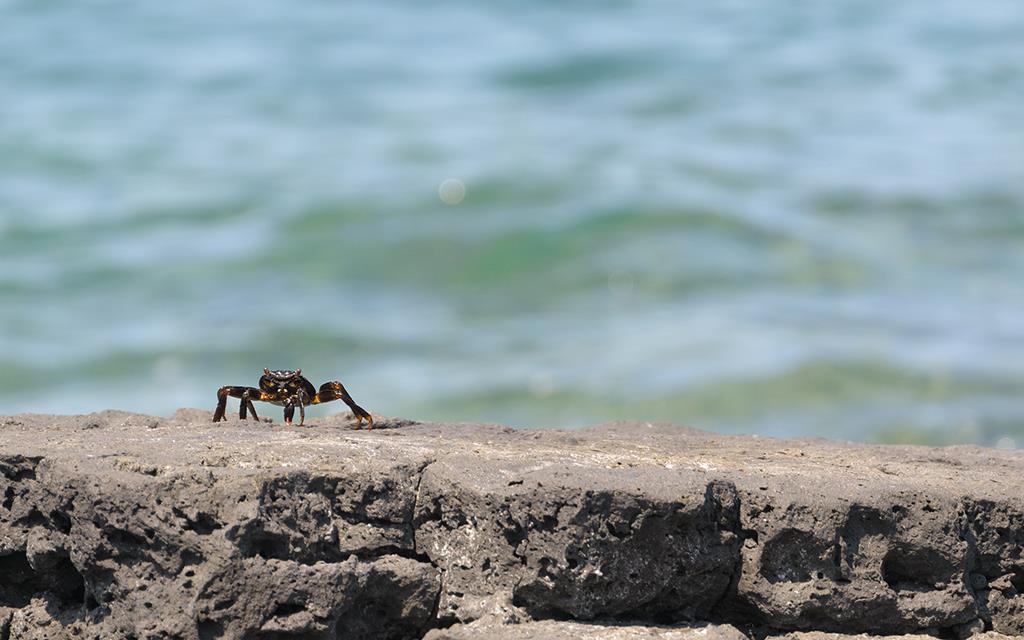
797 219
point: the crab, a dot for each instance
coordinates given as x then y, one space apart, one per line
287 389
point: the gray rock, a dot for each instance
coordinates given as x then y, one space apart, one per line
117 525
390 597
562 630
558 539
817 635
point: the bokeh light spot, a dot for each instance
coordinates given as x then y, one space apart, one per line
1006 442
452 191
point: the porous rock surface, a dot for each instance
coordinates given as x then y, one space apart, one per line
125 526
561 630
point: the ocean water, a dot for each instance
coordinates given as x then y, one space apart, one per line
793 218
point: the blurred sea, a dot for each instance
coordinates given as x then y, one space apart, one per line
794 218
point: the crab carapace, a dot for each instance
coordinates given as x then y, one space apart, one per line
287 389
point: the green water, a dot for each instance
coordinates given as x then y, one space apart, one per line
803 219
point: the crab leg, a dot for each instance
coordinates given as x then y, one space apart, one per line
243 393
289 412
298 400
247 402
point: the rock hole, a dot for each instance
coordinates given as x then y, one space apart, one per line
204 524
33 519
66 582
20 468
612 529
60 521
8 498
122 538
514 536
796 556
1017 580
19 582
209 629
915 569
268 548
286 609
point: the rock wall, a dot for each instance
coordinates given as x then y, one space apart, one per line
118 525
